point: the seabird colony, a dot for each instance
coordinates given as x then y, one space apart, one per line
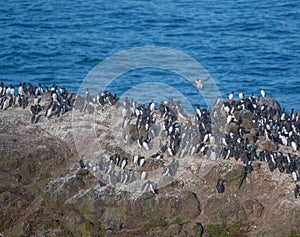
234 129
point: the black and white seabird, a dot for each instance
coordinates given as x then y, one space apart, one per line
144 175
220 186
164 147
101 183
142 162
157 156
263 93
166 171
297 191
149 186
152 106
295 176
171 151
135 160
218 100
81 163
199 83
294 146
153 188
230 96
198 111
145 145
124 163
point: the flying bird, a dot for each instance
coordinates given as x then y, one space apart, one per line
199 83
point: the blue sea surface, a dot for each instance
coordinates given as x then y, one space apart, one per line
243 45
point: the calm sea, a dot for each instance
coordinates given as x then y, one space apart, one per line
244 45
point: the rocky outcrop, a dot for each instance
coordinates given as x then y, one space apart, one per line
270 104
108 209
45 193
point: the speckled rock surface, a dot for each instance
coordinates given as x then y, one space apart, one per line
45 193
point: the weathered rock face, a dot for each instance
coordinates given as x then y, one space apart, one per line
270 104
38 177
43 192
28 155
109 209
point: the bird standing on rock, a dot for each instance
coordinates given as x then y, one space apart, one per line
297 191
230 97
81 163
124 163
220 186
218 99
263 93
149 186
294 146
152 105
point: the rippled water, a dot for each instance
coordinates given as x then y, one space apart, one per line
244 45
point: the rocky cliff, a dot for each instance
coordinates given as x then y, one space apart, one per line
44 192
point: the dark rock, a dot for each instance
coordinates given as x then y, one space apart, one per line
56 192
271 105
244 114
190 206
147 205
231 128
173 229
20 229
266 145
133 131
39 183
251 137
191 229
225 230
248 124
269 233
253 209
234 177
126 213
82 172
227 213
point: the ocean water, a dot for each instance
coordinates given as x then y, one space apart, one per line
242 45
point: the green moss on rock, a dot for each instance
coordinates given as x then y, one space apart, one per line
134 133
147 206
44 176
173 229
153 224
64 234
87 209
223 230
294 233
88 229
26 181
17 230
43 203
71 221
20 229
191 229
235 176
51 224
9 163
